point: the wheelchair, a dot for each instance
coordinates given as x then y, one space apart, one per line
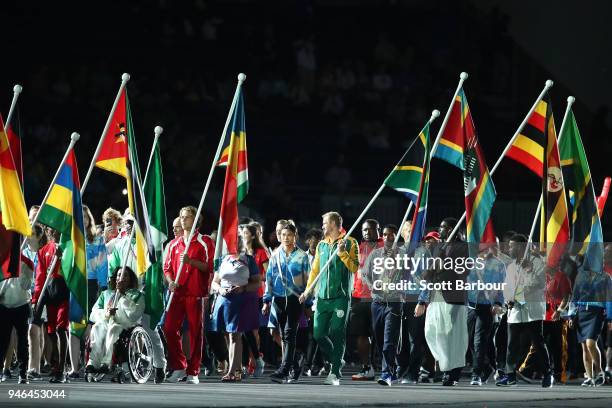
133 347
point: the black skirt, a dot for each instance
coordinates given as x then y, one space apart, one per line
590 323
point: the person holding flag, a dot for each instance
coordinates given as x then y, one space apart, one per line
333 295
189 293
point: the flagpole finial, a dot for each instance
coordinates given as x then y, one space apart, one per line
17 89
549 83
241 77
571 100
434 114
463 75
125 77
158 130
75 136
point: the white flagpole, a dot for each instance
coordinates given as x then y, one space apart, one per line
74 137
547 86
158 131
434 114
16 91
125 261
124 80
570 102
462 77
401 227
241 79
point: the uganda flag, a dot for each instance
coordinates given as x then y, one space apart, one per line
419 218
528 147
459 146
587 233
10 241
554 224
63 212
236 184
118 155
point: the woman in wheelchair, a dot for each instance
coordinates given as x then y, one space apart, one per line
112 317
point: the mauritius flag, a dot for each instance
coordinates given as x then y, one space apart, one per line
459 146
63 212
236 181
118 155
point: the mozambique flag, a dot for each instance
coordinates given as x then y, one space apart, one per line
118 155
554 223
406 175
236 182
528 147
459 146
63 212
156 206
419 218
586 224
10 241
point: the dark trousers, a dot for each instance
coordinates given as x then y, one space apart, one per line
500 337
556 341
386 320
16 318
533 332
480 323
288 311
412 348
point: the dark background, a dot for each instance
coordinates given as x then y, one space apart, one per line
335 91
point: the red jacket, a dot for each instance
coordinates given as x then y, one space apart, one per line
192 281
360 288
45 258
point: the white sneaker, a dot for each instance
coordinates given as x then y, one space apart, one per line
259 368
332 380
177 375
193 379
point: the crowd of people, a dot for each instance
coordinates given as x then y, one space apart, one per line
308 311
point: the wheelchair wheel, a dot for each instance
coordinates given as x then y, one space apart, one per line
140 355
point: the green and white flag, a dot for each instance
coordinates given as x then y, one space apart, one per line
156 205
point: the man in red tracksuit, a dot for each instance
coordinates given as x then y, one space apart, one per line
190 291
55 299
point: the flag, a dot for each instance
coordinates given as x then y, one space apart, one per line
236 182
459 146
554 223
406 175
528 147
118 154
419 218
585 221
10 247
63 212
156 206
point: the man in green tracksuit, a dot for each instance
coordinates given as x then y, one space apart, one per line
333 293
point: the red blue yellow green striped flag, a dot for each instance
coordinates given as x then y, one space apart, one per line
63 212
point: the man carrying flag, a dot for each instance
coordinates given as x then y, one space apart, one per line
459 146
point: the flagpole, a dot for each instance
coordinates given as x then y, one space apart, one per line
570 102
547 86
462 77
124 80
241 79
125 261
434 114
16 91
399 232
74 137
158 131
